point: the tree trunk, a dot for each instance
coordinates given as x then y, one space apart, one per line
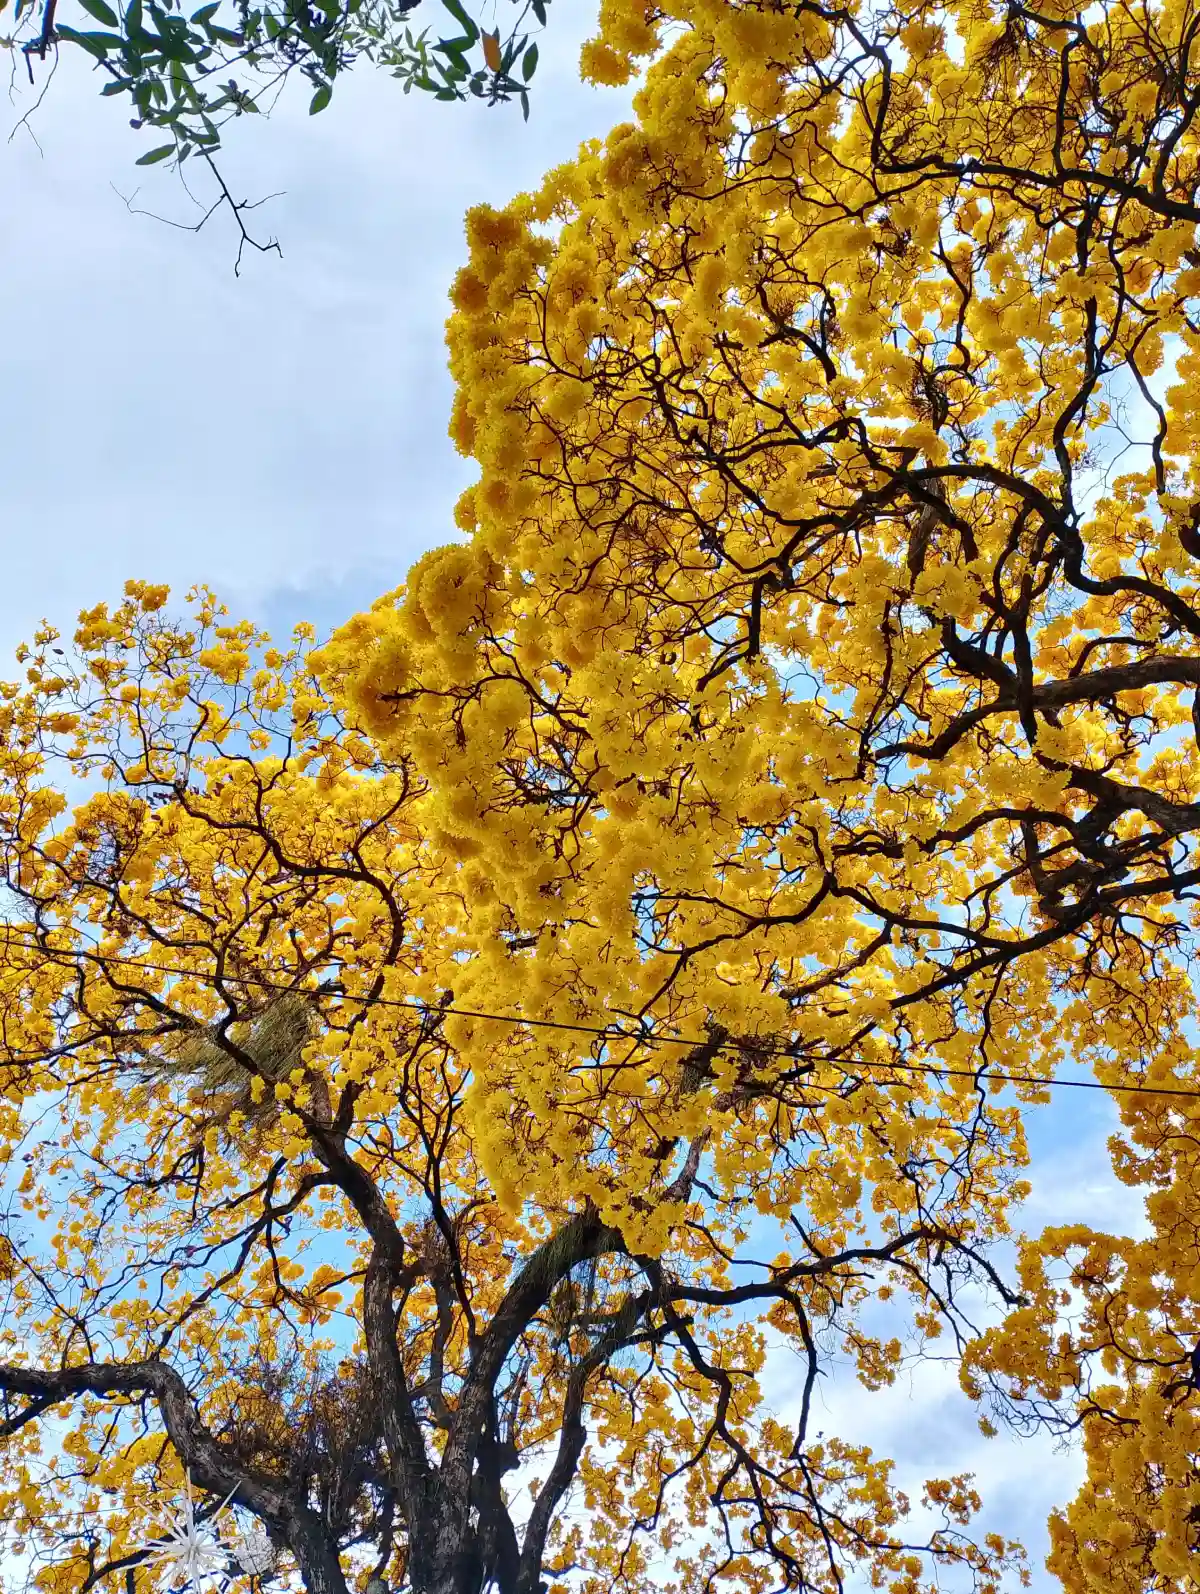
320 1564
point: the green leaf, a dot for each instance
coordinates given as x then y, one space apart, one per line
529 64
469 27
101 12
524 105
155 155
97 44
539 11
320 99
205 12
454 47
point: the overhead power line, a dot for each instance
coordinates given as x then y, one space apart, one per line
612 1032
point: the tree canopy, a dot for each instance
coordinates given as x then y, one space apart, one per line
630 951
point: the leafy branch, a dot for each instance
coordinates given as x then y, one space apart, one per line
187 76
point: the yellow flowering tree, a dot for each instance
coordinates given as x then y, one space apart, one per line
298 1217
627 951
820 662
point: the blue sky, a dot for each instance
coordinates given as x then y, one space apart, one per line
282 437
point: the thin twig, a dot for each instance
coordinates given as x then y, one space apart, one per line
24 120
237 207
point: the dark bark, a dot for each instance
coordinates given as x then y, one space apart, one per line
288 1519
460 1535
458 1532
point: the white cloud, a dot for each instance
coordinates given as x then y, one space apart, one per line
287 429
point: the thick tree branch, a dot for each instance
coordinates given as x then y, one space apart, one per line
209 1463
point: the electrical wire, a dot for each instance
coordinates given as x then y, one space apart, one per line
610 1032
